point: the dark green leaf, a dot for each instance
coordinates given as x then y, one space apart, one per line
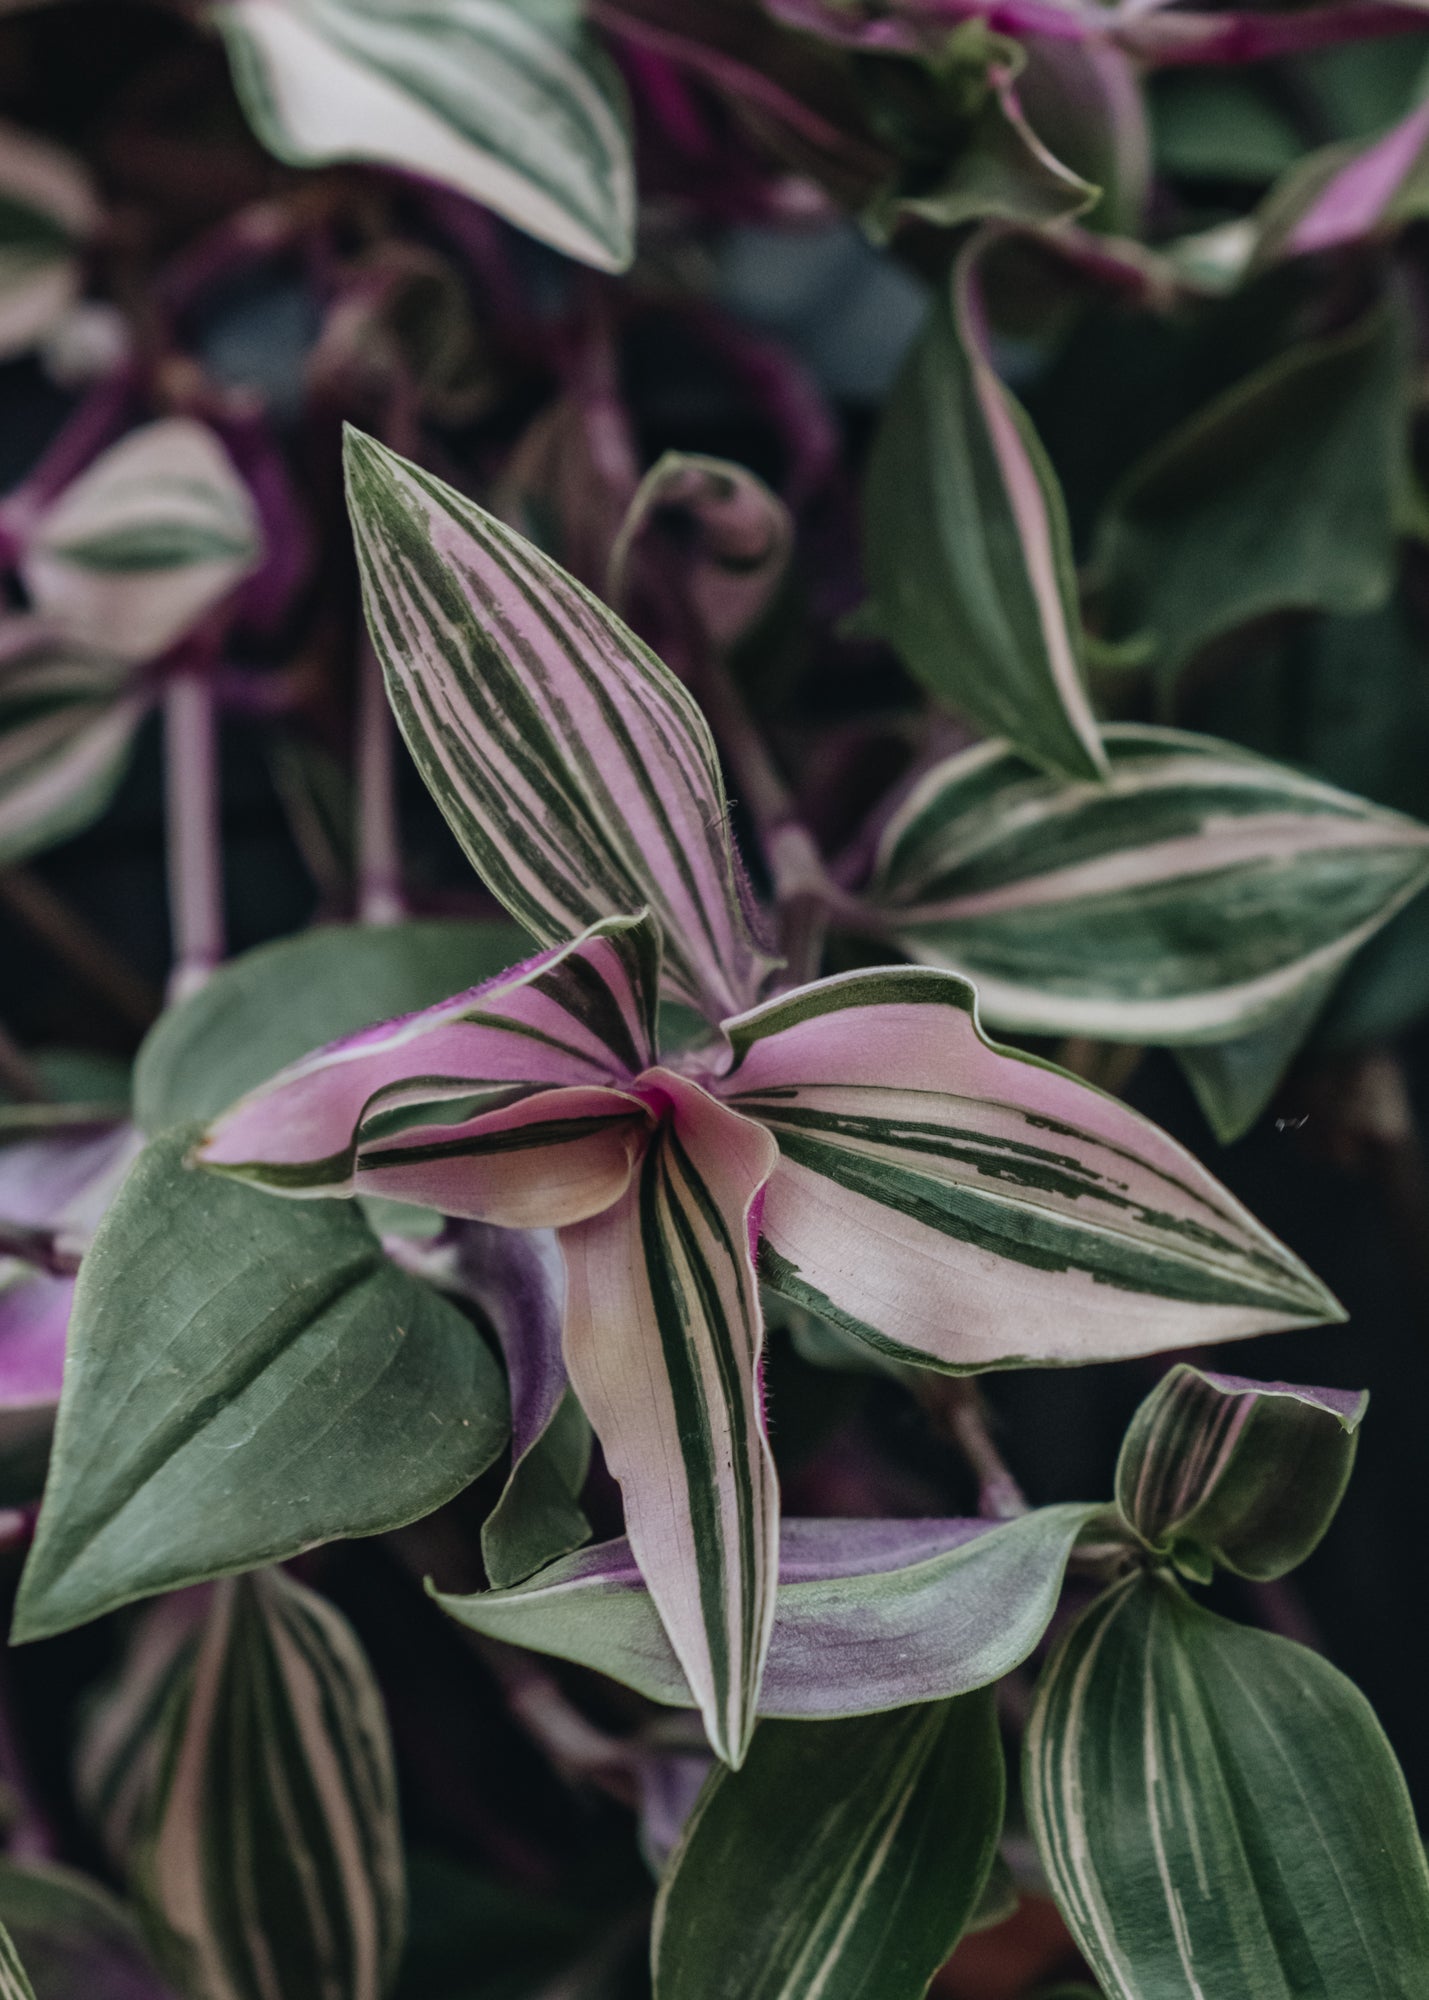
1280 495
75 1939
844 1859
245 1378
272 1005
1219 1813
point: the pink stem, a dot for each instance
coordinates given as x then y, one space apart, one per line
379 847
191 796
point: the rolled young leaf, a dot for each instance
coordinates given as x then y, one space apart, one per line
869 1615
664 1341
47 212
574 769
158 530
1215 1469
845 1858
268 1861
1197 894
1218 1811
968 550
546 1046
68 719
246 1378
958 1204
508 103
1281 494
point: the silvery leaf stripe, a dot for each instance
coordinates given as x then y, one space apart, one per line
531 1067
1194 895
956 1203
146 541
14 1984
1218 1469
664 1342
868 1615
572 766
1218 1812
269 1859
47 210
511 104
67 725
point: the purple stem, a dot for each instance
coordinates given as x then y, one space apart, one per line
379 848
93 424
191 797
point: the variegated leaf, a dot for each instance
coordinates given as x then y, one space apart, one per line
1219 1813
845 1859
13 1983
47 211
573 767
531 1064
959 1204
509 103
1215 1469
268 1860
1236 1079
1197 894
868 1615
68 719
968 550
664 1342
155 533
1342 194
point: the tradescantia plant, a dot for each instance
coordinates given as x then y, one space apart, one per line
893 538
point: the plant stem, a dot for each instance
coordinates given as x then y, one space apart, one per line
959 1413
194 842
75 941
379 848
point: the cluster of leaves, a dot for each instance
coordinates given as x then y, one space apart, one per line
311 1278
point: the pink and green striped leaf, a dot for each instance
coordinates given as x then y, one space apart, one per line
1195 895
664 1343
14 1984
574 769
268 1857
531 1067
868 1615
48 211
1342 195
1216 1469
968 550
957 1204
1219 1813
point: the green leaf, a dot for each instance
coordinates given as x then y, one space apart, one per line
968 551
74 1937
1280 495
268 1860
539 1516
262 1011
245 1378
1199 892
844 1859
1245 1474
1219 1813
510 104
1235 1080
